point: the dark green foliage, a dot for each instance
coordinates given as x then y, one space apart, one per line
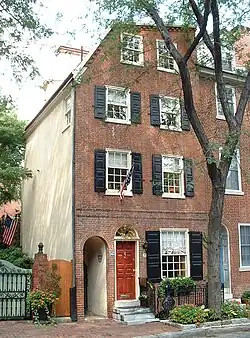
178 285
12 147
19 26
15 256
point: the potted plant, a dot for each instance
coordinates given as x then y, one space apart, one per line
143 299
245 298
41 303
43 299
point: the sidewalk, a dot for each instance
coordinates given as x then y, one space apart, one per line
98 328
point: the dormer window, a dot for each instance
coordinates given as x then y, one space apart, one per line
132 49
227 59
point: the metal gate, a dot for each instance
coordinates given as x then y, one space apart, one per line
14 287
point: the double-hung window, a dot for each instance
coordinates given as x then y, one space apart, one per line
117 105
165 61
118 165
170 113
132 49
244 242
231 100
174 250
173 176
233 183
67 110
227 59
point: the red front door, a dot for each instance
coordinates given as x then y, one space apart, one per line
125 270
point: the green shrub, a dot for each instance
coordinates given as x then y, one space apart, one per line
233 309
189 314
15 256
176 283
246 295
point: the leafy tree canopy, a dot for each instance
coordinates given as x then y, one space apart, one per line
12 147
20 25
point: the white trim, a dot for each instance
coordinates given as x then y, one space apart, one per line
128 117
137 270
228 295
181 195
187 247
236 192
229 191
141 51
127 192
178 114
218 116
242 268
168 70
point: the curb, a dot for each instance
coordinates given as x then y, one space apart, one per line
202 332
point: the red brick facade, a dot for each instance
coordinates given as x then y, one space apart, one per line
99 215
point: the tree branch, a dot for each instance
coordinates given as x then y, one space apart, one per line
153 13
186 82
244 97
200 20
203 27
221 89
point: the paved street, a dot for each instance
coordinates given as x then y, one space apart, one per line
232 335
101 328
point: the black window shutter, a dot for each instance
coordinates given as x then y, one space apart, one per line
153 256
196 259
135 105
100 102
100 170
189 177
157 174
155 110
185 124
137 187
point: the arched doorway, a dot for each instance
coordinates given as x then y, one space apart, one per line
95 280
127 266
225 272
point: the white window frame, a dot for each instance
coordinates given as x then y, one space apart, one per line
109 119
175 70
112 192
242 268
219 116
239 191
187 247
67 111
181 195
178 128
232 52
141 52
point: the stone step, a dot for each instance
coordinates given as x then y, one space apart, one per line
137 322
137 316
132 310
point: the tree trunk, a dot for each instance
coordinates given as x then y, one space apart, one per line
213 247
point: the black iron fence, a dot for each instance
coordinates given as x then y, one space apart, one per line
196 296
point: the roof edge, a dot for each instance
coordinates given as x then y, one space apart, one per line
59 89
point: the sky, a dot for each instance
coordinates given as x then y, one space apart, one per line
28 96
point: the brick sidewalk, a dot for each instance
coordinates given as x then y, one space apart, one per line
90 328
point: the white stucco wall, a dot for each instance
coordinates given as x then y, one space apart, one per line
97 284
47 197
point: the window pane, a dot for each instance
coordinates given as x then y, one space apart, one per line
117 169
245 245
233 175
131 48
165 59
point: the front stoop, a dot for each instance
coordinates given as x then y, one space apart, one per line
134 315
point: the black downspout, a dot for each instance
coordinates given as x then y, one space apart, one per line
73 312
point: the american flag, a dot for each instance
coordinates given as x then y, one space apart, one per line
9 229
126 182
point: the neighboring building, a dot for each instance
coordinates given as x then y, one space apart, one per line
124 106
